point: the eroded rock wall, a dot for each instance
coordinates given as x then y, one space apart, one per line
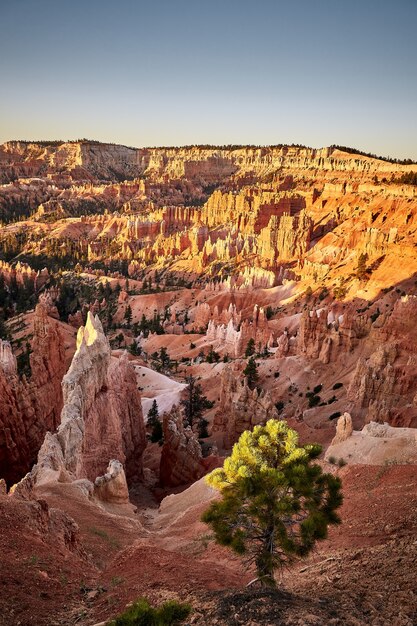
30 407
181 458
240 408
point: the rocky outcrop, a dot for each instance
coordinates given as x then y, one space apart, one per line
375 444
240 408
101 419
181 458
383 386
112 487
30 406
286 238
204 314
344 429
325 334
22 273
232 341
87 159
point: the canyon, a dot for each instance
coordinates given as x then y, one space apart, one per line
124 274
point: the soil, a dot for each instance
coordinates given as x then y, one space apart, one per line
363 574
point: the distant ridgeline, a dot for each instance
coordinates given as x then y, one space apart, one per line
229 147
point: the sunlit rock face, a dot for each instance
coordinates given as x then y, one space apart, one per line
100 160
269 214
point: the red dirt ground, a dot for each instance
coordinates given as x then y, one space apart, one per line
364 573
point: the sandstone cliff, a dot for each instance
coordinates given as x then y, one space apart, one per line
30 407
85 159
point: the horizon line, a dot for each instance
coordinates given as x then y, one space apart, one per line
207 146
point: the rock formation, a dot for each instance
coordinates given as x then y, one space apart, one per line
375 444
325 334
30 407
240 408
344 429
182 458
233 341
112 487
101 420
383 386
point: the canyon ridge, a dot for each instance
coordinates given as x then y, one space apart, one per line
275 282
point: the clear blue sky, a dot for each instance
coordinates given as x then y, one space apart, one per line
172 72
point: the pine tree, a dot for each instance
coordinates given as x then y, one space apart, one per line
275 503
194 404
250 348
155 424
212 356
128 314
164 359
251 373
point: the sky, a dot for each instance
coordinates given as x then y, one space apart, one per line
177 72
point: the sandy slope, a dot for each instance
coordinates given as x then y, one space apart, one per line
157 387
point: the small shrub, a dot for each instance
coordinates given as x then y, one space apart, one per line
334 416
317 389
141 613
323 293
341 462
212 356
313 401
332 460
279 406
375 315
339 292
276 374
269 312
337 386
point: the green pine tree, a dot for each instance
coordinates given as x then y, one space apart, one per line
275 502
128 315
154 423
164 359
250 348
251 373
194 404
